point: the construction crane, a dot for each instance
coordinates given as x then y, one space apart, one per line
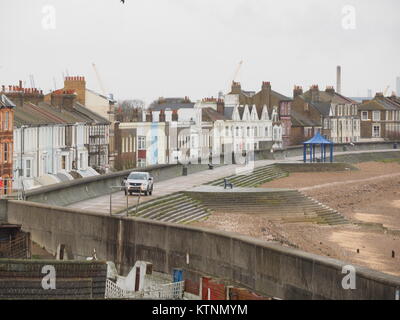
99 80
235 74
237 70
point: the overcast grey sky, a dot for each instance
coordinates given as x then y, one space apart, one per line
150 48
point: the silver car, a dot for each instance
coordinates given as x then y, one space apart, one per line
139 182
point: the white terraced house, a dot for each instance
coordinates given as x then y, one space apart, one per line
196 129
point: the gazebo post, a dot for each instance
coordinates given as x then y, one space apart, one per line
322 152
305 153
331 153
311 153
314 145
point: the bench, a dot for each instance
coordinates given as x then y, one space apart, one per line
227 184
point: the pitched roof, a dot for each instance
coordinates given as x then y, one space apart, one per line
329 97
318 139
5 102
100 95
45 114
380 103
171 106
91 115
228 112
280 96
210 115
322 107
299 120
29 114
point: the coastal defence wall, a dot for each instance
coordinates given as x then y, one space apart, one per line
266 269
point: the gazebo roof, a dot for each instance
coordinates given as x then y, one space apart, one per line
318 139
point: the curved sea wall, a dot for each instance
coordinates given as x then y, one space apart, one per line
267 269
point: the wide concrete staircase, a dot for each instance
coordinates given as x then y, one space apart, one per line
253 179
280 205
177 208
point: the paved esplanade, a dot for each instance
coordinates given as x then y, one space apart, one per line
102 204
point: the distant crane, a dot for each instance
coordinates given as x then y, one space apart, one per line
237 70
236 73
99 80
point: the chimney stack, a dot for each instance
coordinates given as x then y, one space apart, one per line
330 90
314 93
297 91
339 79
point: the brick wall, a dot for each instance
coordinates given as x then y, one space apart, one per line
212 289
22 279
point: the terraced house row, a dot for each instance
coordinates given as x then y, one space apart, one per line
49 142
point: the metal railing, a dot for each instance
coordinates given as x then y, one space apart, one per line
170 291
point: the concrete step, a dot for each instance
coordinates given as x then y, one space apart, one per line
159 201
196 217
161 208
156 215
184 216
180 213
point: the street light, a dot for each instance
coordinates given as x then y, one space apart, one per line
127 199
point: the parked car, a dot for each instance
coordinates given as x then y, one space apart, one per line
139 182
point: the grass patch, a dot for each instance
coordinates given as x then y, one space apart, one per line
389 160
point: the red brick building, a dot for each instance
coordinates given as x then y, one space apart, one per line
6 144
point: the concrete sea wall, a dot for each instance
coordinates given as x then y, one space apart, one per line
70 192
266 269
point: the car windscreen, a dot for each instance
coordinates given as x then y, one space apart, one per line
137 176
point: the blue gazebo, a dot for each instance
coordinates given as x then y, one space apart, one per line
312 144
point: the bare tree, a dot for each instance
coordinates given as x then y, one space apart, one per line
130 110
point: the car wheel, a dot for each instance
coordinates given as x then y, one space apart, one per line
146 193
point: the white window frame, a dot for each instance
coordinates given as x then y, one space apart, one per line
28 169
363 113
373 131
141 143
376 118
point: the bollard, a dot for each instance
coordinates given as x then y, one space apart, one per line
393 254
